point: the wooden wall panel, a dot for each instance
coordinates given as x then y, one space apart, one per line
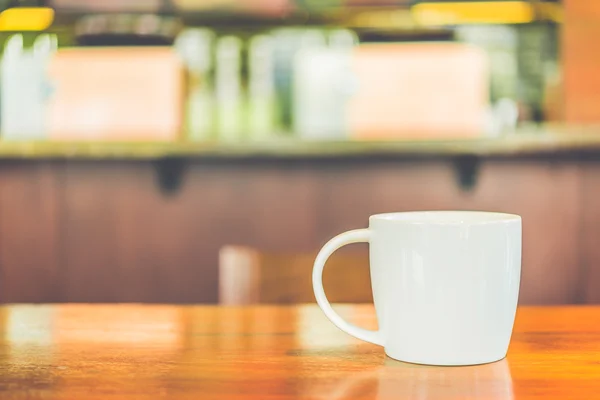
270 205
590 232
103 232
545 194
30 228
127 241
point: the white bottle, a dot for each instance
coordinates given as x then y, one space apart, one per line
323 84
25 87
228 88
261 88
288 42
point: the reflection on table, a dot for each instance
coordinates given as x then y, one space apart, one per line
135 351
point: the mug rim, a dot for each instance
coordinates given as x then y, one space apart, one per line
446 217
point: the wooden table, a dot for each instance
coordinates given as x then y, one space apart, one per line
153 352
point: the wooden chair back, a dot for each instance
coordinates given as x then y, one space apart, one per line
251 276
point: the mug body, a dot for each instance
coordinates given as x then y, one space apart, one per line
445 284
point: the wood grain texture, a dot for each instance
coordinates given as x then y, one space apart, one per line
250 276
126 241
266 352
91 231
590 232
30 232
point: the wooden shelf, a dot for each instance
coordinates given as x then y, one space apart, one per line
517 144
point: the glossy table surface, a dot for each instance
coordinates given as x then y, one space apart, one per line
267 352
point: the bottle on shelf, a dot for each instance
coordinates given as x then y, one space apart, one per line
288 42
228 88
24 87
195 47
261 90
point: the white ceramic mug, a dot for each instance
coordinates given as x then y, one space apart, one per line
445 284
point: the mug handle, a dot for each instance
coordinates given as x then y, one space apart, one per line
354 236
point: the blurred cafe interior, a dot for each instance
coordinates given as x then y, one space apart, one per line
158 151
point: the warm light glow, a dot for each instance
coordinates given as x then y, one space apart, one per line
550 11
27 325
26 19
488 12
125 325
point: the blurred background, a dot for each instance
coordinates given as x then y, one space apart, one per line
140 137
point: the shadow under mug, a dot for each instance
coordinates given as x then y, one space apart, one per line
445 284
